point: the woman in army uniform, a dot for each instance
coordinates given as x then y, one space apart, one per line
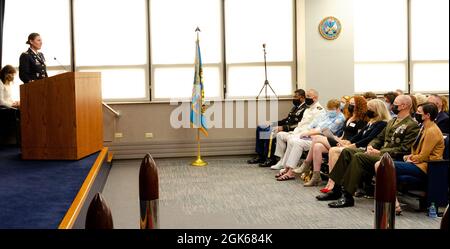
32 63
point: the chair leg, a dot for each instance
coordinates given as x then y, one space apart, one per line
423 204
18 130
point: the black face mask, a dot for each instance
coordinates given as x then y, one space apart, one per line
395 109
309 101
351 108
419 118
296 102
371 114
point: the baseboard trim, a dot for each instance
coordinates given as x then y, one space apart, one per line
182 148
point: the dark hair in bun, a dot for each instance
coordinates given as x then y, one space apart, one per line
31 37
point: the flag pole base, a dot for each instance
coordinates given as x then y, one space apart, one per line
199 163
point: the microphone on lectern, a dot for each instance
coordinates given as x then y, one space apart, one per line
60 64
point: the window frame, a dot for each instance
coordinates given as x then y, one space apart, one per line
409 63
77 68
293 64
404 62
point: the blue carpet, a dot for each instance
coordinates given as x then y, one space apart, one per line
37 194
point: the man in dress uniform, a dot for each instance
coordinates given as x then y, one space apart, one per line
265 141
313 111
396 139
32 63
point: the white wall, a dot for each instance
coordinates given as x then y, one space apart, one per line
325 65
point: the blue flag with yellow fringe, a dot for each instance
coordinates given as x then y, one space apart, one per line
198 94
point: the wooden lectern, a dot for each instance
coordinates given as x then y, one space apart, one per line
61 117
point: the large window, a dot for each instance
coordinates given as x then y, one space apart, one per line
429 45
173 24
381 45
148 46
408 29
49 18
111 38
271 23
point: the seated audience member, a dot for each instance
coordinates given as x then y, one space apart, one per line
369 96
333 120
444 104
344 104
322 143
396 139
399 92
389 99
378 117
414 106
263 132
442 119
9 112
314 109
421 99
7 78
345 101
429 145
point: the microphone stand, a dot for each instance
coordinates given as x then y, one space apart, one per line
266 82
60 64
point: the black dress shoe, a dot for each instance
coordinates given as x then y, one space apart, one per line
360 193
345 201
330 196
269 162
255 160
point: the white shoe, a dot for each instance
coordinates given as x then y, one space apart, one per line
277 166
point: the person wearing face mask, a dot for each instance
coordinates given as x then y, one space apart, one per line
396 139
313 110
322 143
356 120
32 62
345 101
428 146
442 119
333 120
389 99
378 117
265 157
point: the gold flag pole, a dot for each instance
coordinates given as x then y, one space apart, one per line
270 144
199 162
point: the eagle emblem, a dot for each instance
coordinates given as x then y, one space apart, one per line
330 28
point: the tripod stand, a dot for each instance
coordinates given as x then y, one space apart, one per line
266 82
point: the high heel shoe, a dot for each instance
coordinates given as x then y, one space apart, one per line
325 190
